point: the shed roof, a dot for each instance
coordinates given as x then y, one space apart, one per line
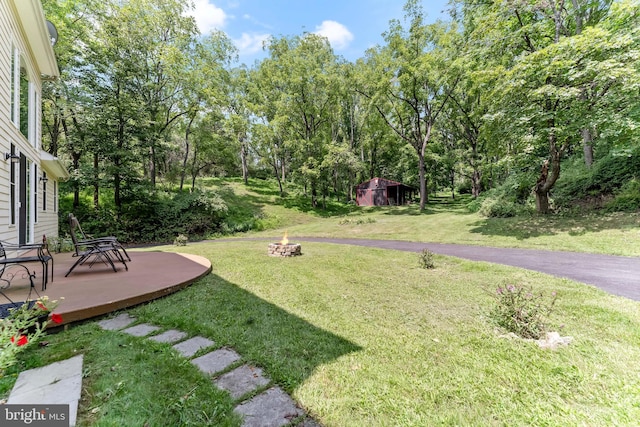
389 181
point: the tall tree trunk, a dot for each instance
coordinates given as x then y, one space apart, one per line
194 169
476 182
424 194
75 162
187 144
452 177
275 172
152 164
423 184
243 158
314 195
117 162
96 182
587 146
549 174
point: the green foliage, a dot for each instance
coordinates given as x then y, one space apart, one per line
425 260
24 327
627 199
357 221
60 244
510 199
180 240
522 311
155 217
615 174
614 170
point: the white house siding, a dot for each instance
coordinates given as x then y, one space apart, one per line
13 36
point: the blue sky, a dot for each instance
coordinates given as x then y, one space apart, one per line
352 26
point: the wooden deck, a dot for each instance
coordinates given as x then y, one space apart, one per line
93 291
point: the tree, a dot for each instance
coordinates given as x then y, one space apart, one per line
301 72
550 74
414 85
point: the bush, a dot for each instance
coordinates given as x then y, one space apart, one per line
180 240
613 174
627 199
510 199
498 208
356 221
521 311
155 217
24 326
425 260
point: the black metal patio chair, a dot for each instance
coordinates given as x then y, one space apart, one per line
15 267
85 238
22 255
106 251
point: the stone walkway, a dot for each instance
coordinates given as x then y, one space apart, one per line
259 402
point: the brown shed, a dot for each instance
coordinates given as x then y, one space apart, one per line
382 192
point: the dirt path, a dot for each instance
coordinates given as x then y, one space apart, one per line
615 274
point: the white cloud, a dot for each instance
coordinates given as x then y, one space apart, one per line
249 44
254 21
339 36
208 16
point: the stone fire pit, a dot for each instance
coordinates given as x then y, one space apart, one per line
284 249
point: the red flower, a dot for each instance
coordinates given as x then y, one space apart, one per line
22 340
56 318
41 306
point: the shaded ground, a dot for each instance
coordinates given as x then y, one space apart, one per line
615 274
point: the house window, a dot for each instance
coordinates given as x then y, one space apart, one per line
24 99
44 190
14 84
12 186
34 106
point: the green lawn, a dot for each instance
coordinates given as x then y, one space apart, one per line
363 336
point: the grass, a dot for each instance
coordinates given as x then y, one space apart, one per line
366 337
444 221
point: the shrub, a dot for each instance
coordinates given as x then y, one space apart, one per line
497 207
180 240
24 326
356 221
522 311
155 217
627 199
425 260
512 198
60 244
611 174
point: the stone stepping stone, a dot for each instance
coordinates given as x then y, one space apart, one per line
141 330
242 380
120 321
273 408
191 346
169 336
216 361
59 383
